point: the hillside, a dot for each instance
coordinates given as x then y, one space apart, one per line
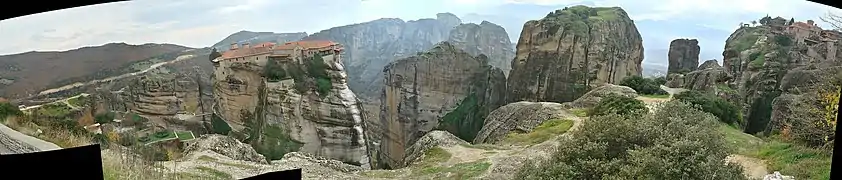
257 38
31 72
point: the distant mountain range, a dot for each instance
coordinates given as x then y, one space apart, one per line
31 72
257 38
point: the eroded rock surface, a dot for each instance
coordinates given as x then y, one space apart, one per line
518 117
683 56
593 97
444 88
561 57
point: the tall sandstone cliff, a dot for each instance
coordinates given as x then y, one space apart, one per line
444 88
485 38
294 111
773 68
683 56
565 54
369 46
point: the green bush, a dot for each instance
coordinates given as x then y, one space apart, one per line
7 110
660 80
323 86
615 104
674 142
721 108
643 85
219 126
783 40
274 71
104 117
161 134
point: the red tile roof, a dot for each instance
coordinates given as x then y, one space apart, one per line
305 44
802 25
243 52
263 48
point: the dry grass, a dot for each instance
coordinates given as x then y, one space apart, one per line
60 137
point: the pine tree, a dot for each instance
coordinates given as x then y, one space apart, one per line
791 22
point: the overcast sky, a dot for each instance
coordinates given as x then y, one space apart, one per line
200 23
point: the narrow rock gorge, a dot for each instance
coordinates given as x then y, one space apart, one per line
298 103
570 51
444 88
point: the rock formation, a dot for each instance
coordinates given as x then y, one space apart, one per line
593 97
563 56
518 117
707 78
444 88
683 56
486 38
369 46
769 62
302 111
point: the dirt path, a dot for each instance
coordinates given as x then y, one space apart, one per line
753 168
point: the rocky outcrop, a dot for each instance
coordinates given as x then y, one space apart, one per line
517 117
709 64
683 56
593 97
226 146
562 56
427 142
707 78
760 57
444 88
369 46
485 38
298 112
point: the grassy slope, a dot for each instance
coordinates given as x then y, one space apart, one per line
793 160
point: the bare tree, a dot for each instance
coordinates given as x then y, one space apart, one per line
834 20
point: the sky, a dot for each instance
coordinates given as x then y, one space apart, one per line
201 23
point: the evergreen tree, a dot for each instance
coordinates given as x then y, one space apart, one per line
214 54
791 22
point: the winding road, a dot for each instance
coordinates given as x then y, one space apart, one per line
12 141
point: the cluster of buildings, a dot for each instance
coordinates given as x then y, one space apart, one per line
262 52
805 32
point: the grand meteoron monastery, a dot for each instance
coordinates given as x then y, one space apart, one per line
288 51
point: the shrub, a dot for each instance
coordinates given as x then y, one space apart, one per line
674 142
643 85
783 40
660 80
219 126
7 110
104 117
615 104
274 71
161 134
721 108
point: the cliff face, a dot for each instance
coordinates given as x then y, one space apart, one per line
371 45
760 57
565 54
307 108
444 88
485 38
683 56
709 77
